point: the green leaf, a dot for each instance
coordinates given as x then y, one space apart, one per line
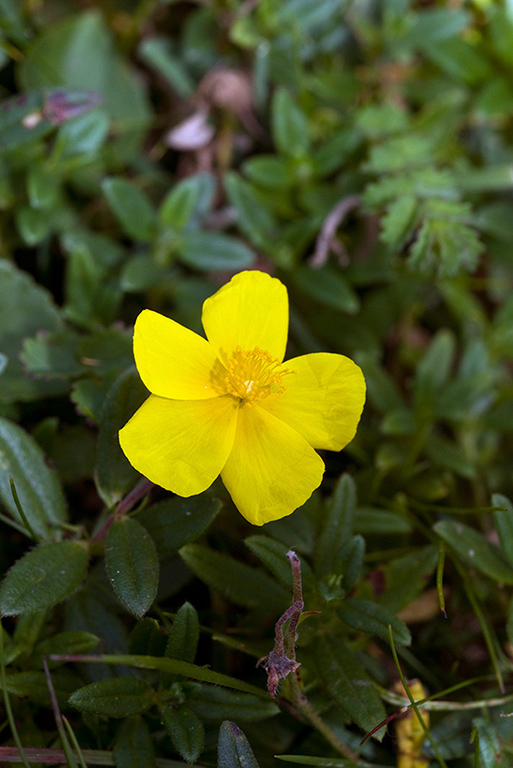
328 286
269 171
176 667
176 521
448 455
212 703
434 24
92 292
290 125
434 368
188 201
504 523
400 153
368 616
84 135
399 422
34 224
253 218
382 390
15 133
52 355
236 581
349 685
460 60
184 634
18 292
141 273
132 208
344 577
337 525
446 242
77 52
273 554
34 685
133 747
43 577
147 638
212 251
114 474
380 521
233 750
405 577
132 564
475 550
488 743
43 188
107 350
156 52
185 729
37 486
115 697
335 152
351 557
299 527
399 221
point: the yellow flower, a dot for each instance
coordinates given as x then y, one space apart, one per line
229 406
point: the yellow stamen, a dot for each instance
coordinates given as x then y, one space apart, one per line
252 375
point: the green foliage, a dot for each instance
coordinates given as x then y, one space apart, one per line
362 152
43 577
132 565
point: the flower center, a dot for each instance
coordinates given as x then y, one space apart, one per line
253 375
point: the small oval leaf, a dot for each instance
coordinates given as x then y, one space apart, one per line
184 634
185 729
115 697
132 564
290 125
43 577
233 750
207 250
132 207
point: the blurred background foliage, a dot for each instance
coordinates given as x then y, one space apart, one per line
362 151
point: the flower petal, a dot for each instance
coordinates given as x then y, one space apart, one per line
250 311
271 470
172 361
323 400
181 445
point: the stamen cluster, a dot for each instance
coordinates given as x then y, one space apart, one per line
252 375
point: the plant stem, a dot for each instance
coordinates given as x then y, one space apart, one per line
286 643
301 703
137 493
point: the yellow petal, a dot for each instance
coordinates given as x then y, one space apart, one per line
250 311
172 361
271 470
181 445
323 400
